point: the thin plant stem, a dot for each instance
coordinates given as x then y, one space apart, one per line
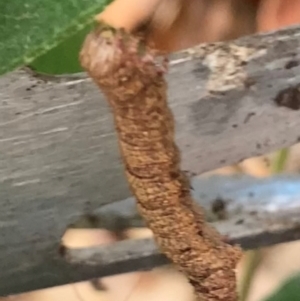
253 258
279 163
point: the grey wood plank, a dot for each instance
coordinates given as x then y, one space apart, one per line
58 152
256 213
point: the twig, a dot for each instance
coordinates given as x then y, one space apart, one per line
125 70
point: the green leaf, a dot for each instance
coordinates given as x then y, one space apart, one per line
30 28
62 59
289 291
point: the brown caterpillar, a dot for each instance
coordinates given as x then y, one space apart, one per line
134 85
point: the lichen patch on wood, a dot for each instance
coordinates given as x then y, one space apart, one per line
133 82
227 64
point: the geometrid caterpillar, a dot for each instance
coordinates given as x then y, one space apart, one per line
123 66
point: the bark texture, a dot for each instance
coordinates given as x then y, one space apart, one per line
125 70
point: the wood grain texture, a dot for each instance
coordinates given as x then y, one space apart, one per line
59 157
